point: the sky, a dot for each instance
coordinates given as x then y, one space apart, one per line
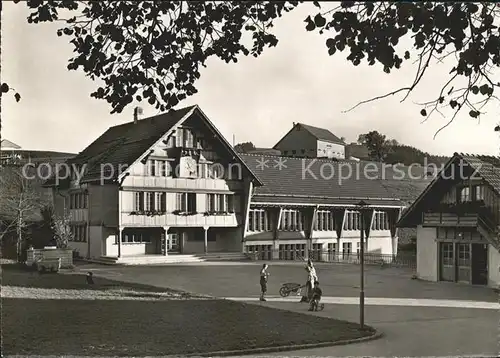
256 99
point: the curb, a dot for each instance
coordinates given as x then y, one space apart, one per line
374 336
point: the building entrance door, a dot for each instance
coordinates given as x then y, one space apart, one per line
463 260
173 242
479 264
446 258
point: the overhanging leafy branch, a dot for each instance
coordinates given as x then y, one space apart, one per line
372 31
152 50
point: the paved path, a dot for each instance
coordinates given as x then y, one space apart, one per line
409 331
383 301
242 280
464 322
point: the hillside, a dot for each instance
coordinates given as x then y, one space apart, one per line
408 155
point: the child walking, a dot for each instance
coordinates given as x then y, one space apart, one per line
316 297
263 281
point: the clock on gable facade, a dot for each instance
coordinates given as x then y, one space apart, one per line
188 167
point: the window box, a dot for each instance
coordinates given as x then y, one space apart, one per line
148 212
184 213
217 213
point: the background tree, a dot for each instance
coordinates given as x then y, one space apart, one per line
361 139
20 202
392 152
244 147
377 145
153 50
392 142
46 233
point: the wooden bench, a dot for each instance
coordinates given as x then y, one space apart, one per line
48 265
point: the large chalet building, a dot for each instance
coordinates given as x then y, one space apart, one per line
172 184
457 219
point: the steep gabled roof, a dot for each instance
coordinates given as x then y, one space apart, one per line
485 167
319 133
322 134
294 183
122 145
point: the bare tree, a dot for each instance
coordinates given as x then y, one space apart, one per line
20 203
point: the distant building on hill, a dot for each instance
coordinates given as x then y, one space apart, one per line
305 141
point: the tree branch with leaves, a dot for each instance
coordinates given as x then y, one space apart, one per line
469 31
153 50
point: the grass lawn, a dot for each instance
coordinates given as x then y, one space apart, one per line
138 328
13 275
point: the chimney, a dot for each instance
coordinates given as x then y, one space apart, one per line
137 111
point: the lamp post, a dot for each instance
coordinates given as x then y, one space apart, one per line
361 206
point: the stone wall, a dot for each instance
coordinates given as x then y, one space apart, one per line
66 256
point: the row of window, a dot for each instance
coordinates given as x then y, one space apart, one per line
472 193
150 201
79 201
220 203
79 232
294 220
353 221
259 220
325 221
186 138
136 237
297 251
166 168
328 151
185 202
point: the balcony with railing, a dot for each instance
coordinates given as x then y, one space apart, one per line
465 214
449 220
139 181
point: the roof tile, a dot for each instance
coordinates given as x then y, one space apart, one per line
302 178
322 134
121 145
